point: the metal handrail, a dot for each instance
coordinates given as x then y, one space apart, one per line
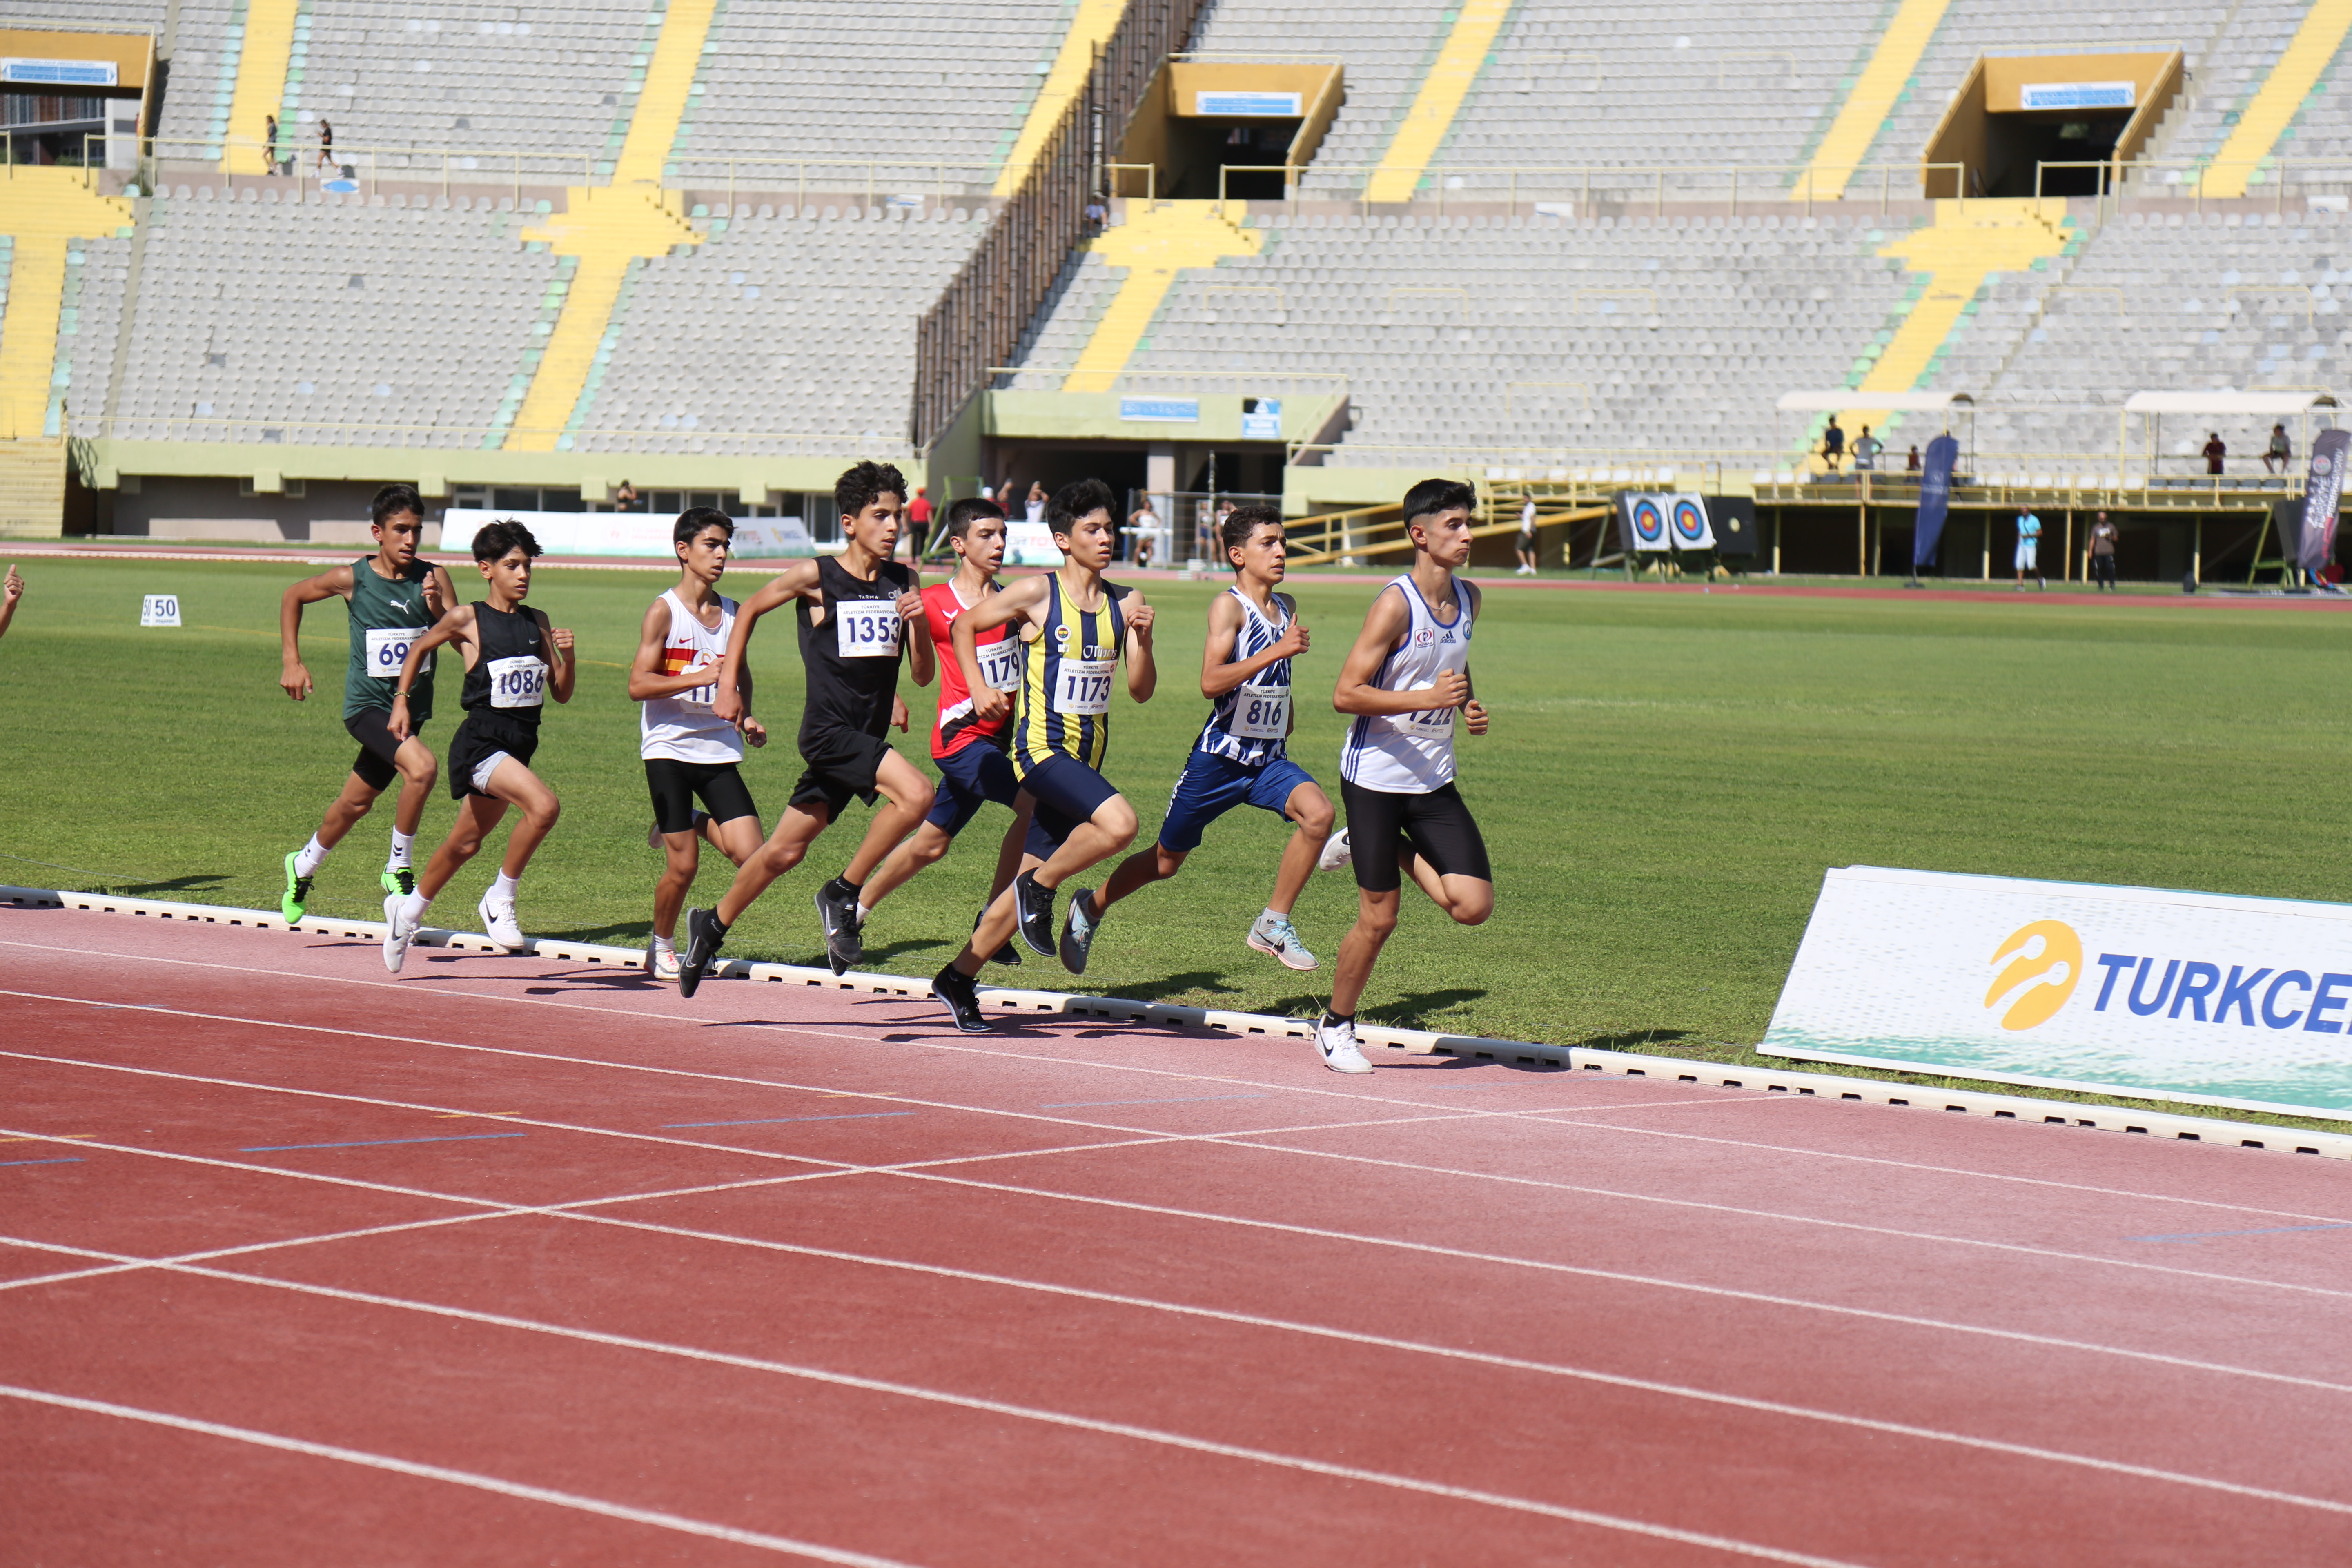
1797 187
1133 372
107 423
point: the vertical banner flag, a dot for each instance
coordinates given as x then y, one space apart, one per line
1935 499
2322 489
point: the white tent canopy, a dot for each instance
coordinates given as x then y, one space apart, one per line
2255 403
1845 397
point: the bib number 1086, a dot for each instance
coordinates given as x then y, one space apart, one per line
518 682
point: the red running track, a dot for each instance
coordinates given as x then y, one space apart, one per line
506 1259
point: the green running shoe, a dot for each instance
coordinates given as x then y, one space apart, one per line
297 892
400 880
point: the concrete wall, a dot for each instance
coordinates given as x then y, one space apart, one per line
176 506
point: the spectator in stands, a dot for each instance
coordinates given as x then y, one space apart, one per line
1911 464
1833 446
625 498
1866 450
269 142
11 590
1034 506
1096 214
919 517
1526 543
2214 453
2281 456
326 146
2102 554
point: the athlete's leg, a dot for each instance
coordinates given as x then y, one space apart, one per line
1139 871
1110 830
909 795
1376 916
785 850
356 800
418 772
682 855
929 843
514 783
1310 808
1012 855
477 815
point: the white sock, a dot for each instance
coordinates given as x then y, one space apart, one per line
504 888
310 857
1270 915
413 911
401 845
664 944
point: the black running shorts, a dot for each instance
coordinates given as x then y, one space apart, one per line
482 736
841 763
674 784
372 728
1437 826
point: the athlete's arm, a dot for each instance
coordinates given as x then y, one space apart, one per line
913 614
10 592
333 582
1474 712
645 680
1218 677
995 610
1142 672
456 626
795 581
1359 691
439 592
559 640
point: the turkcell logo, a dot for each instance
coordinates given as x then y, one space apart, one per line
2039 965
2194 990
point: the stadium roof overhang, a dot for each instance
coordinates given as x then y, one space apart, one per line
2227 401
1845 397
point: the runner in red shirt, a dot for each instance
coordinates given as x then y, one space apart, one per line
970 751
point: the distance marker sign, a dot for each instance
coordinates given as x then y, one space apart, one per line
160 610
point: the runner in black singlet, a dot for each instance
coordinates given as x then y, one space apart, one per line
514 662
858 615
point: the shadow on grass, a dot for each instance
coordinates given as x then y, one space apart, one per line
1413 1012
633 934
176 885
1208 980
884 954
1634 1040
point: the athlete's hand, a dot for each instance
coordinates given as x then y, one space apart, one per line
898 714
1474 717
560 638
433 605
1450 689
296 678
1138 620
910 606
727 705
751 730
988 704
399 725
14 586
1292 641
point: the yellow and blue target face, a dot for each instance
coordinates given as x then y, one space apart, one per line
1690 520
1649 522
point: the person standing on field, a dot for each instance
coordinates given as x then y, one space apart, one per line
1526 545
394 599
2102 554
2029 549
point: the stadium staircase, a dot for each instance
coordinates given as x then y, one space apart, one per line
268 48
45 212
1091 26
1443 89
2265 121
1155 245
1873 99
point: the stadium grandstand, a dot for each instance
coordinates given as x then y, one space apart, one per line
260 256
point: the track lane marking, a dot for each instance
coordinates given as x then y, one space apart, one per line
952 1044
471 1478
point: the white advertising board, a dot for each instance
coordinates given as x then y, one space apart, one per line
624 532
2131 991
1030 544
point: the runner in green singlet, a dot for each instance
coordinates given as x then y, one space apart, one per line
394 598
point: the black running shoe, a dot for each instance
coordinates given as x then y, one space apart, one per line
955 988
703 935
836 912
1034 906
1008 954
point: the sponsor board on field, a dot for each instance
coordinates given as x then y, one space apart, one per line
625 533
1030 544
2131 991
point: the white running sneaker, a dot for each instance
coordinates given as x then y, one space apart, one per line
499 925
661 962
1336 852
1279 937
397 934
1336 1043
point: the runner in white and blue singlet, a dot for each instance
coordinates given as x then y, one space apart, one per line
1241 756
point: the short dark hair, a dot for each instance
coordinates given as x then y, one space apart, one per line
1074 501
969 511
393 499
1433 496
695 519
860 484
495 539
1243 520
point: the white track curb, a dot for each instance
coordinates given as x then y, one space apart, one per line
1421 1042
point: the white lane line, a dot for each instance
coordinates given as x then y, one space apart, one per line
1619 1276
953 1043
1242 1139
474 1480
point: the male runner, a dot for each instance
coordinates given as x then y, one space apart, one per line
514 659
855 614
1403 680
394 597
969 750
1060 724
690 751
1242 754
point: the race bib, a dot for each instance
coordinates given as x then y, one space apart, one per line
999 664
1082 686
387 649
1430 723
867 628
1262 712
520 681
701 697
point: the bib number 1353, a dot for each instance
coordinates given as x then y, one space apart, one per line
867 628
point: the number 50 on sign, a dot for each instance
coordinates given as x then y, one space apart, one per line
160 610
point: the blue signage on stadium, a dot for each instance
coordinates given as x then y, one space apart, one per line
58 73
1160 410
1247 105
2078 95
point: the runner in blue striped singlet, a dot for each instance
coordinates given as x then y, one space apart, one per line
1241 756
1076 626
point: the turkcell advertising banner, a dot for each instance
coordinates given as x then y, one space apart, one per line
2130 991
